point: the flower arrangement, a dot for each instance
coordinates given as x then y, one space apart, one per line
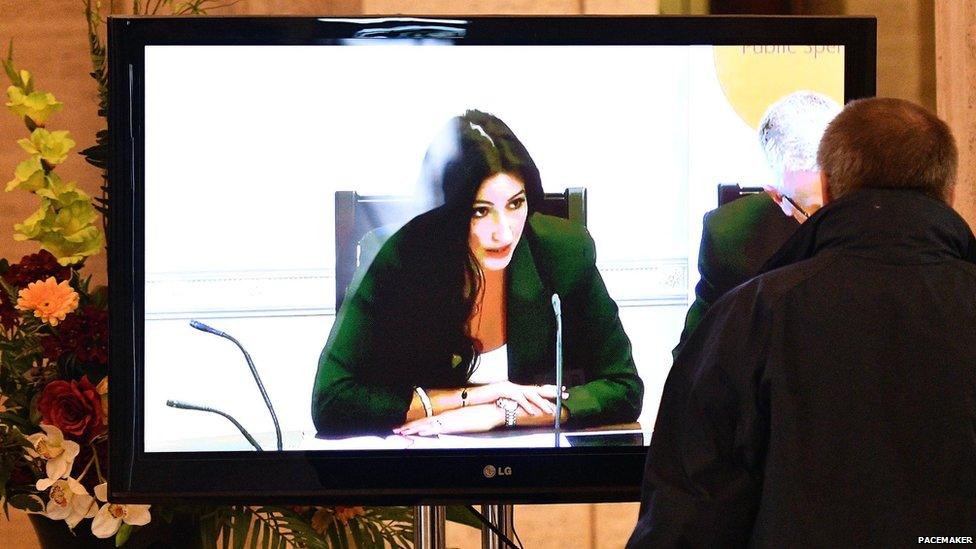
54 339
54 358
54 382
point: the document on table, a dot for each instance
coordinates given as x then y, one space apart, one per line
440 442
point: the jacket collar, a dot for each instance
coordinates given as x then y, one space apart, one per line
895 225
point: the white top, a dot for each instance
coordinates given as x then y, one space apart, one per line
492 367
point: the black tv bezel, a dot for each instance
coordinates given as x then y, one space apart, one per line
387 477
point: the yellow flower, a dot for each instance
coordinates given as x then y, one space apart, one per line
51 301
29 175
37 106
52 147
54 188
65 227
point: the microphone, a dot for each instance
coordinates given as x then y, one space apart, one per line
209 329
557 310
254 372
186 406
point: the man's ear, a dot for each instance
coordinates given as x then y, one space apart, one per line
952 196
825 188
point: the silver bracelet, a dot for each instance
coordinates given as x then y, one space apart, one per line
425 401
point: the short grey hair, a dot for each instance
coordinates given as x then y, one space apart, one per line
791 128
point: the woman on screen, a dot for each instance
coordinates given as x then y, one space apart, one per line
451 327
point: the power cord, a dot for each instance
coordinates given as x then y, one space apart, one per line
505 539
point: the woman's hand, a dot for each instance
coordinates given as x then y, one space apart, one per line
470 419
536 400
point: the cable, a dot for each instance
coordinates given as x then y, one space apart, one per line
484 520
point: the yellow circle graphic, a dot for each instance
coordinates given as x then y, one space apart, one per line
754 77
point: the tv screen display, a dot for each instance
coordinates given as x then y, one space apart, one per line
352 211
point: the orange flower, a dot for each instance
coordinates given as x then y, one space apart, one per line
321 520
51 301
343 514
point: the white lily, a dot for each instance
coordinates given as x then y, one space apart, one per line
59 452
68 500
110 517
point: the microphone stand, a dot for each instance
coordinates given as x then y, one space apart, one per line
254 372
187 406
558 312
503 516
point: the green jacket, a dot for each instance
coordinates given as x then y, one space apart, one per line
385 339
737 240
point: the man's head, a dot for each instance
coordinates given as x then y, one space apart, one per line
789 134
889 144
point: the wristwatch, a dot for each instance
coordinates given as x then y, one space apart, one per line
509 406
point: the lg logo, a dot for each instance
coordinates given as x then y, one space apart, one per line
491 471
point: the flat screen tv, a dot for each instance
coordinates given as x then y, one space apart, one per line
288 202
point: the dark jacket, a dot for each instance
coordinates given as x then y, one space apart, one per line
389 335
830 402
737 240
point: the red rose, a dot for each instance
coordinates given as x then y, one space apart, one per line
75 407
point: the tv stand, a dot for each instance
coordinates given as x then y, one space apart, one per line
430 526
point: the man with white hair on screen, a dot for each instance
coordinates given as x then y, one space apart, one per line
739 237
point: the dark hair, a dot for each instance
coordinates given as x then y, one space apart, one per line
467 151
888 143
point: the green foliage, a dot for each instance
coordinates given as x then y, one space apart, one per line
461 515
97 154
270 527
122 535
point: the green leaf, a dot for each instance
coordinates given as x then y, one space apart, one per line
242 524
333 534
15 419
225 534
26 502
374 530
461 515
255 534
123 534
8 66
266 529
206 531
356 531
